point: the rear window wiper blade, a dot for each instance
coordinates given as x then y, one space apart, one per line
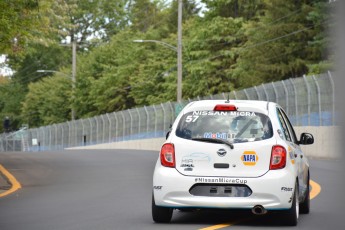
214 140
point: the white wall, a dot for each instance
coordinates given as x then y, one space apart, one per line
327 143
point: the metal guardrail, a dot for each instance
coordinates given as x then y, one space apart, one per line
309 101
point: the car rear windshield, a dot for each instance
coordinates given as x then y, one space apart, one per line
233 126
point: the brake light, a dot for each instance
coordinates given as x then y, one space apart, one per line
278 157
167 155
225 108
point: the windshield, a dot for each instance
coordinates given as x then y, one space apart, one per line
234 126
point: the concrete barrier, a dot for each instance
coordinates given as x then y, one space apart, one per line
327 143
328 140
143 144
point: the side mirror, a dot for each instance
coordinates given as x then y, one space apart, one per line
306 139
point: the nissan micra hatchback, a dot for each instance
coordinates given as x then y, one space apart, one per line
229 155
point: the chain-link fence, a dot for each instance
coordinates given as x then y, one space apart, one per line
15 141
309 101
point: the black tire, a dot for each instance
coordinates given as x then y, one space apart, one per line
290 216
161 214
304 207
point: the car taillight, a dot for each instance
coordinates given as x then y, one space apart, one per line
278 157
225 108
168 155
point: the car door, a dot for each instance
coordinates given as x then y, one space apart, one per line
303 165
296 154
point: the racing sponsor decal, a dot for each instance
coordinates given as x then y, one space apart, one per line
220 180
192 118
189 160
292 157
286 189
216 135
219 135
188 169
157 187
249 158
223 113
187 166
196 157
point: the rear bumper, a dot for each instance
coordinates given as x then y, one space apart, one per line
273 191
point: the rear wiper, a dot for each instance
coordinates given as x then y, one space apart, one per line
212 140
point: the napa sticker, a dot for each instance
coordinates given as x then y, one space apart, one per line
249 158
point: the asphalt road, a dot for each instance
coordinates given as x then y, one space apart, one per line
111 189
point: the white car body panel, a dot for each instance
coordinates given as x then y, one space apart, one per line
173 191
238 167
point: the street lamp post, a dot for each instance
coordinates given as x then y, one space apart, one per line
74 71
73 86
179 52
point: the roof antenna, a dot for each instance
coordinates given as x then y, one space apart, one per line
228 100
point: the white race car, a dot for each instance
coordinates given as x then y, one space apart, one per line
232 155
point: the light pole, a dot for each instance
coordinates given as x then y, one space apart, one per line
73 86
179 52
74 71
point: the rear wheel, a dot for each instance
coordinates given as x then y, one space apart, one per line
304 207
291 215
161 214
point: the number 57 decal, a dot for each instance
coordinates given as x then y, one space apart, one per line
191 118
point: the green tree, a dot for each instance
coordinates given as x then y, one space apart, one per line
18 20
39 57
145 14
189 11
48 101
66 20
278 44
11 95
236 44
155 78
84 20
247 9
103 76
320 47
209 48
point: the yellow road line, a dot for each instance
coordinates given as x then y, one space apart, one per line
218 226
15 184
316 189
